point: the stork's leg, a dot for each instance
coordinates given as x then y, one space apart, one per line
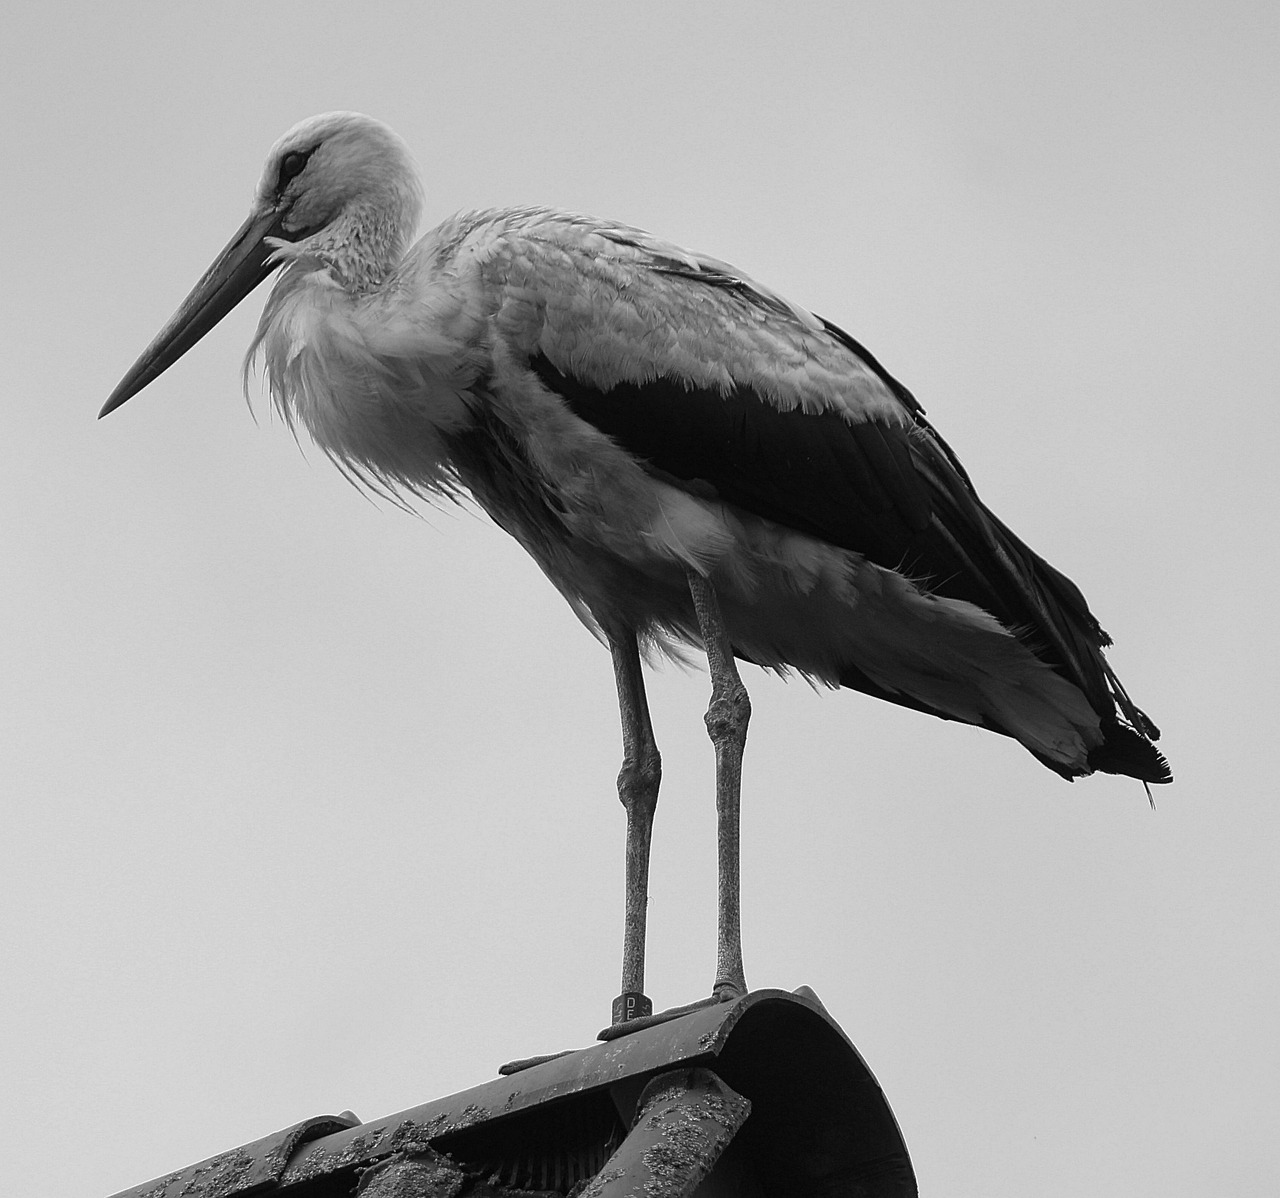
638 782
726 719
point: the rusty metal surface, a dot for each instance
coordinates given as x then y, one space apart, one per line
686 1120
809 1085
692 1038
820 1124
249 1169
426 1175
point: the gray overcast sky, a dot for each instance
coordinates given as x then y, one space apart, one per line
308 803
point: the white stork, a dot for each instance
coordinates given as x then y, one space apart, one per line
689 457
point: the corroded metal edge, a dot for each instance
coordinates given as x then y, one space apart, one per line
243 1170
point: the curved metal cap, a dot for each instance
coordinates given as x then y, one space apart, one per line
819 1123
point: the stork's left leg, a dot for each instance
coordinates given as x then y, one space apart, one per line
726 719
638 782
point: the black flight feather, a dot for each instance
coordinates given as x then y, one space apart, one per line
894 493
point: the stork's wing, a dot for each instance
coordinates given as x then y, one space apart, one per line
719 383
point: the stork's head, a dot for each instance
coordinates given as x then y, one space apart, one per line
335 166
338 190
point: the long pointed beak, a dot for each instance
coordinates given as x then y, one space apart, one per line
241 266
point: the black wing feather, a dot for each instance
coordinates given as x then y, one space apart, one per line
895 493
856 486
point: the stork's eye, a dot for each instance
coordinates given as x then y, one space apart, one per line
292 165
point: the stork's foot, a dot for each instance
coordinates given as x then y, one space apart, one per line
722 994
529 1062
728 991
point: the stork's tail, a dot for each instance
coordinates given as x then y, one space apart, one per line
1128 752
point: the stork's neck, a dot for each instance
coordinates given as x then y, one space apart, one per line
364 245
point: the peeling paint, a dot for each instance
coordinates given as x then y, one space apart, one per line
223 1174
420 1175
217 1177
162 1185
414 1136
686 1118
602 1181
693 1135
407 1136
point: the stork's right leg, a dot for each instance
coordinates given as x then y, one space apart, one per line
727 718
638 782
